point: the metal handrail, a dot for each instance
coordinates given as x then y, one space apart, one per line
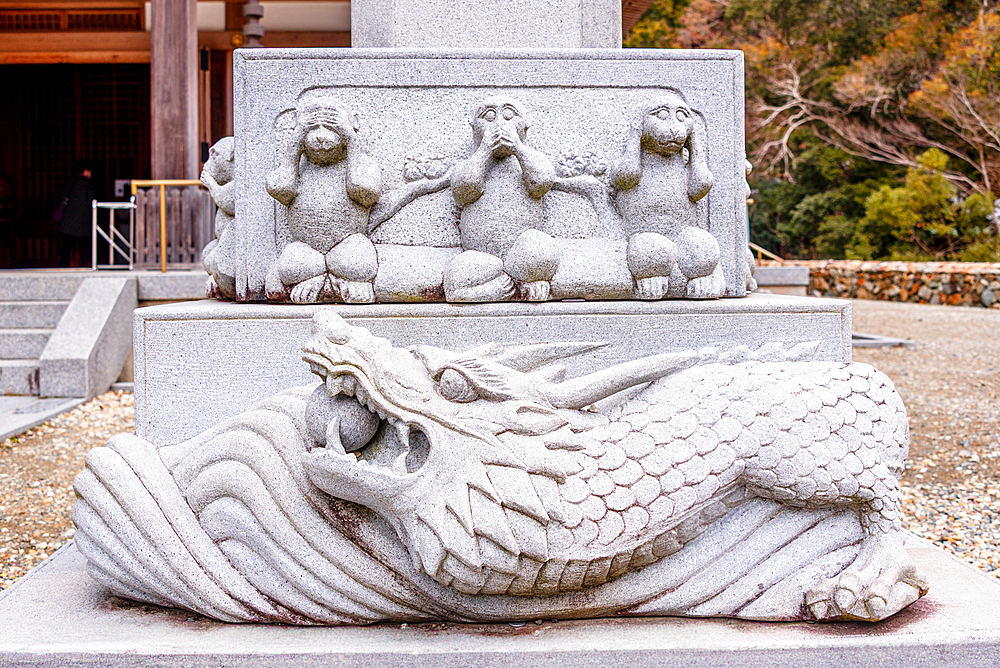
163 183
761 252
112 234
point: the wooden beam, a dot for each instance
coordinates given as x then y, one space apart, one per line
66 42
632 11
304 39
74 57
174 90
223 39
71 4
234 16
134 47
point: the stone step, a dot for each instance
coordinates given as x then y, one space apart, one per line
23 343
18 376
31 314
39 286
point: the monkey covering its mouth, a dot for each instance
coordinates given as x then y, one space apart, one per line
499 189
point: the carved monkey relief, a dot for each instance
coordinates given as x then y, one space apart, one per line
329 185
499 189
662 178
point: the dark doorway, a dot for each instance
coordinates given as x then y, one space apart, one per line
51 116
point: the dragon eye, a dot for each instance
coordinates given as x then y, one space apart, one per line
508 113
682 115
453 386
490 115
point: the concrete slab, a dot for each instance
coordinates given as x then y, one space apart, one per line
61 284
772 275
86 351
19 376
198 363
58 616
19 414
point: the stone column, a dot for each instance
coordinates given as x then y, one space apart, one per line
478 24
174 89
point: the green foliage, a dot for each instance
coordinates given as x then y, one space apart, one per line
925 219
845 29
658 27
816 215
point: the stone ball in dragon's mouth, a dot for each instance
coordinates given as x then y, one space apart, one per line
357 423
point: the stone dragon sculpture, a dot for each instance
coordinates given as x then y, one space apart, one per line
421 483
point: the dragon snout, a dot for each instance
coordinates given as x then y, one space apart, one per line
328 324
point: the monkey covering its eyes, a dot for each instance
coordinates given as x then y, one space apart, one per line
329 186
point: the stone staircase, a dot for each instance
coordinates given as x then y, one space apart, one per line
30 309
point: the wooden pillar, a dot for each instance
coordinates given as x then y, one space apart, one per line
174 89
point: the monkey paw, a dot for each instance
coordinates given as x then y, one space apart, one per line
880 582
712 286
307 292
536 291
651 288
356 292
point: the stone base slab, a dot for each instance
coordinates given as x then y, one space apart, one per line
197 363
59 616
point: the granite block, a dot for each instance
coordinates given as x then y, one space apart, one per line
23 343
171 286
782 275
58 616
31 314
197 363
88 347
409 24
19 376
413 108
38 286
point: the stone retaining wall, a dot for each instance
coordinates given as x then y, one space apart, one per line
954 283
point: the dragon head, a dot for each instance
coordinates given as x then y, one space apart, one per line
430 439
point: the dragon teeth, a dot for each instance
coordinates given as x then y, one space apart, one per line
403 433
399 464
380 412
349 383
334 385
361 395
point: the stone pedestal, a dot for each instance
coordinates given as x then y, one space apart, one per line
475 23
58 616
197 363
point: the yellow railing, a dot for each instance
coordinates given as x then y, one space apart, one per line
163 183
761 252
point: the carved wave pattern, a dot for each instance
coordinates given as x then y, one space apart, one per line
228 526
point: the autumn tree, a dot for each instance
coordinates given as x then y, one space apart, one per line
837 88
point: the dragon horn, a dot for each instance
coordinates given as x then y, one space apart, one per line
526 358
585 390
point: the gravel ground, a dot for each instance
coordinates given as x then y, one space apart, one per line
36 479
950 382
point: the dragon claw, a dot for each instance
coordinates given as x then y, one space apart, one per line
880 582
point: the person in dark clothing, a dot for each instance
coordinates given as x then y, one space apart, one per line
73 213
